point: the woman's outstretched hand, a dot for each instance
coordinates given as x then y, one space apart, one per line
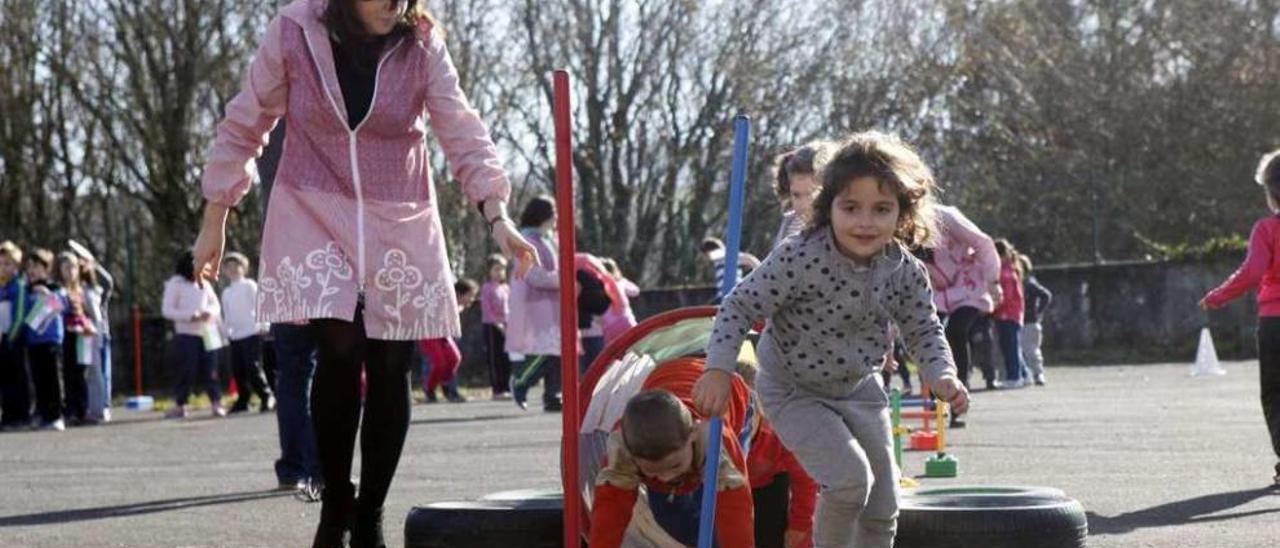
515 246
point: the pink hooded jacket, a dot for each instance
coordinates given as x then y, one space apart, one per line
964 263
353 211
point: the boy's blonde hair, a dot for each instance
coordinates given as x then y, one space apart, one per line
237 257
11 250
892 163
42 257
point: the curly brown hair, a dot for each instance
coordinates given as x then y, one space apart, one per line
893 164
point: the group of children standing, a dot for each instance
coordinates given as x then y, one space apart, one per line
203 324
54 337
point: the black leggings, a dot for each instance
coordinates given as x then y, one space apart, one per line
335 409
959 325
1269 377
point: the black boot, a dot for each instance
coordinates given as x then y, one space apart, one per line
335 518
366 530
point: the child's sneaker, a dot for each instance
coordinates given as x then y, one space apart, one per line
453 396
55 426
178 412
1040 379
520 394
219 410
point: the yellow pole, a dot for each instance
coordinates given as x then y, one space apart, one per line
939 409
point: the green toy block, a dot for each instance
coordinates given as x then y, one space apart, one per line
941 465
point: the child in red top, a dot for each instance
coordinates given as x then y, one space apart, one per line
660 442
1261 269
1008 315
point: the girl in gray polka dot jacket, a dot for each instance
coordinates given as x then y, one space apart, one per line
829 295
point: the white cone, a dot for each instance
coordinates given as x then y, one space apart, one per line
1206 357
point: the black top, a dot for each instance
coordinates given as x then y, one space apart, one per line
357 66
1037 298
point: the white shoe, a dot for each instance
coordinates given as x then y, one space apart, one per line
1040 380
57 426
106 414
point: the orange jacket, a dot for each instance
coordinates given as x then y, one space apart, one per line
615 495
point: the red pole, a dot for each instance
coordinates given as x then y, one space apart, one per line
568 309
137 351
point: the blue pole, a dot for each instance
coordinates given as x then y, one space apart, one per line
737 190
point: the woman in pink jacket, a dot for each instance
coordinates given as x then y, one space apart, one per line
353 240
964 270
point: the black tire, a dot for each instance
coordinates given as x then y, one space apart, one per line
991 517
532 523
556 495
991 491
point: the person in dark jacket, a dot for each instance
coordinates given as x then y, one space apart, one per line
1038 298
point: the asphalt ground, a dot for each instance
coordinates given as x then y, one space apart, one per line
1156 458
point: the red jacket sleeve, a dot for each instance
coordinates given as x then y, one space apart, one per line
804 494
735 518
610 515
1251 272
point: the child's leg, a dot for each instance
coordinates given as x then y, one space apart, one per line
1032 336
14 392
240 372
257 376
95 388
869 421
820 438
45 376
551 394
1269 377
207 372
494 347
104 359
772 505
1010 349
900 354
185 352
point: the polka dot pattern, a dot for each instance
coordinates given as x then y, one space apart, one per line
828 318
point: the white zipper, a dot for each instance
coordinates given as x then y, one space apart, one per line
351 141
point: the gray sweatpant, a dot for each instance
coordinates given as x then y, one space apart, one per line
845 445
1032 335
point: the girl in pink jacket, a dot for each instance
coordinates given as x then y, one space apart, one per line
1261 269
353 240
